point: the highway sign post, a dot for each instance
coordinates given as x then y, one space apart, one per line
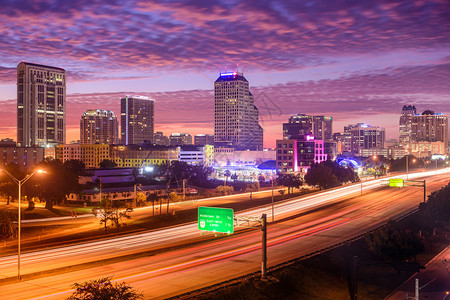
216 219
396 182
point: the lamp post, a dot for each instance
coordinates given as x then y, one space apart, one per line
407 166
273 213
20 183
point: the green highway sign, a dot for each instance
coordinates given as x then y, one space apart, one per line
396 182
216 219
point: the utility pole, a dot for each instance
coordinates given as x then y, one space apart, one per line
184 189
135 196
100 189
355 280
416 289
407 166
424 191
273 214
264 247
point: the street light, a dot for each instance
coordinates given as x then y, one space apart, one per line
273 214
20 183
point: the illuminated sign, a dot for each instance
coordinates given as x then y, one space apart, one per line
438 156
228 74
216 219
309 137
396 182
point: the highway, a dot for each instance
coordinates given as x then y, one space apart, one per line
170 261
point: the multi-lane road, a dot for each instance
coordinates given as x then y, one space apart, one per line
170 261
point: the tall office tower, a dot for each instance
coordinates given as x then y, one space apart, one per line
99 127
301 124
136 120
408 111
297 126
41 105
236 118
429 127
365 137
323 127
203 139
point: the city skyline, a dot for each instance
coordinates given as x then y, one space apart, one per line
355 63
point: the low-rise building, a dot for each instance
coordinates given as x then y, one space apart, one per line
298 155
25 157
197 155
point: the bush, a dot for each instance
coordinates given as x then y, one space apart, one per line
437 206
103 289
392 243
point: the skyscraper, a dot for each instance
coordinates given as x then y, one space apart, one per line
236 118
408 111
99 127
136 120
301 124
365 137
429 127
41 105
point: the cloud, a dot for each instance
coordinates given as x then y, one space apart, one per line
90 37
375 98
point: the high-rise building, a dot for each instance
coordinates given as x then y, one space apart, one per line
408 111
203 139
99 127
297 126
178 139
343 141
301 124
365 137
41 105
236 118
429 127
136 120
298 155
323 127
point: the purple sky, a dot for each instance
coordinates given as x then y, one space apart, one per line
357 61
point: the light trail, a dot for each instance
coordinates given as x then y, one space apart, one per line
86 252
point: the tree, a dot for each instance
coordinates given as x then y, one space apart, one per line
104 289
320 175
198 176
140 198
234 176
7 228
75 166
108 164
291 181
174 197
261 179
342 174
8 187
59 182
394 244
437 206
112 213
224 190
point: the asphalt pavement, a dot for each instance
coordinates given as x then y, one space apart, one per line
434 281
